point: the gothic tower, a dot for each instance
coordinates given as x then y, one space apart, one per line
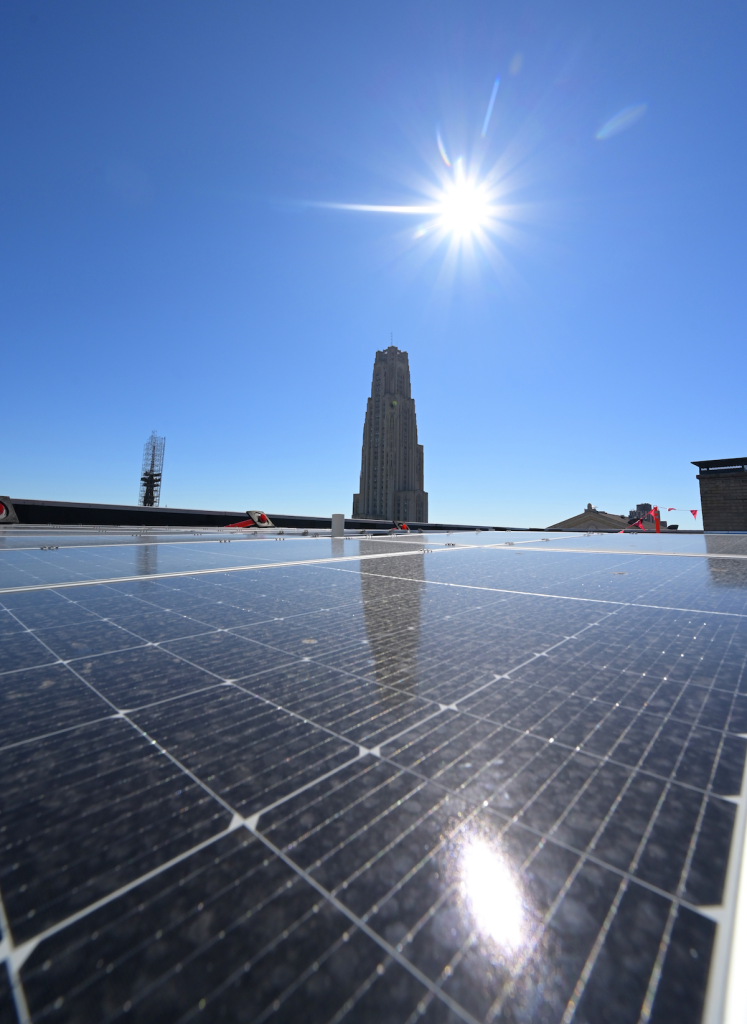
392 460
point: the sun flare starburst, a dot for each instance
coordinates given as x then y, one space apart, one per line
461 207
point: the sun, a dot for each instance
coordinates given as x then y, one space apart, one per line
463 209
466 210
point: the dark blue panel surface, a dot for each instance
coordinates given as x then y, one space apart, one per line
483 782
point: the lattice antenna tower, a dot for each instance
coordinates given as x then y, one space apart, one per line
152 471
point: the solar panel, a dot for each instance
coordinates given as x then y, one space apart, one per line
436 778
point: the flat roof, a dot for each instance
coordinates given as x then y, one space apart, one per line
468 777
721 463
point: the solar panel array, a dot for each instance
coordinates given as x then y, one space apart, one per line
441 778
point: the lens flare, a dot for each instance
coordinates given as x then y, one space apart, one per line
622 120
493 95
517 63
492 895
441 147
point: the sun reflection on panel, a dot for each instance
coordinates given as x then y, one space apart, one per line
492 895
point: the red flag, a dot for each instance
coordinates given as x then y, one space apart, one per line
693 510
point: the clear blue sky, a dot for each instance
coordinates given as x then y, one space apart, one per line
164 264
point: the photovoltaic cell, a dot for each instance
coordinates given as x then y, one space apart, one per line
396 781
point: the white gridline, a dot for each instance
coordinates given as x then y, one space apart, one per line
16 957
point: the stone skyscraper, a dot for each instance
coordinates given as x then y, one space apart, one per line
392 460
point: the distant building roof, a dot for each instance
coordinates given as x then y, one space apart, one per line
721 464
593 520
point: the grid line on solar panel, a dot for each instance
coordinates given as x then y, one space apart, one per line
396 697
43 701
393 951
23 650
344 891
602 583
560 597
695 713
533 749
232 912
183 604
377 666
246 749
400 553
78 564
254 605
34 655
460 1015
585 600
348 882
113 810
13 1007
347 706
87 581
131 679
22 951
